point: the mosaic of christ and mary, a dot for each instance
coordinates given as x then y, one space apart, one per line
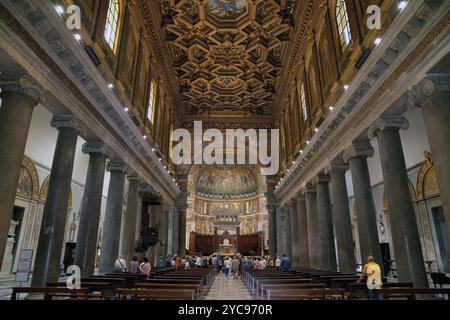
227 9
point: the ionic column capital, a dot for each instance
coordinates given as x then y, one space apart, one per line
337 167
432 84
361 148
96 147
321 178
132 176
388 122
116 165
309 188
68 121
27 85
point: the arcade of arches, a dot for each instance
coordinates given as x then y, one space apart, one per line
87 118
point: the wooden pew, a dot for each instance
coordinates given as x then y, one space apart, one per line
197 287
289 287
410 293
155 294
360 291
291 280
306 294
49 293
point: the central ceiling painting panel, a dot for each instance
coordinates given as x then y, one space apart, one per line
227 9
227 54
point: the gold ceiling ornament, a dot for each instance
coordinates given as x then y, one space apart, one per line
227 55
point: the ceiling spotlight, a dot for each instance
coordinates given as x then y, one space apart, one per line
77 36
331 108
377 41
288 170
160 159
110 86
307 141
293 162
346 87
316 129
59 9
301 151
402 5
153 149
125 109
144 136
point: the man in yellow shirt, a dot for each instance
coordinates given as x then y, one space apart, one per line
373 273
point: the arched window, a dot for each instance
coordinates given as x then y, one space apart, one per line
303 104
151 101
343 24
112 24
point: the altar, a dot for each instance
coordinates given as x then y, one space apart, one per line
227 249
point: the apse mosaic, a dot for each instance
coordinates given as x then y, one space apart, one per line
226 181
227 9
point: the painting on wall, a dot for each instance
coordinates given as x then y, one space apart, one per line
227 9
25 184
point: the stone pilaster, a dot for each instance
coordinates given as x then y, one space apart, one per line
131 217
356 156
302 225
405 234
287 229
295 257
279 216
272 210
87 239
325 222
433 96
18 101
341 217
182 207
113 216
314 245
48 255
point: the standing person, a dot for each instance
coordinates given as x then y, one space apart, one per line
278 263
160 263
145 267
235 267
214 262
220 263
120 265
133 268
263 263
285 263
187 265
199 262
227 267
372 271
177 262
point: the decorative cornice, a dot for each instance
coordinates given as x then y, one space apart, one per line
388 122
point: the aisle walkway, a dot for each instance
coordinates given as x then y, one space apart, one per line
228 289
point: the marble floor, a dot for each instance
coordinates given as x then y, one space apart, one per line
228 289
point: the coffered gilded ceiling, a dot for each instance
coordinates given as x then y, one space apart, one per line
227 55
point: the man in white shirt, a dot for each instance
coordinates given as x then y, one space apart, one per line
120 265
278 263
198 262
227 264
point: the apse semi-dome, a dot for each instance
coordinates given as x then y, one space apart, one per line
226 182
